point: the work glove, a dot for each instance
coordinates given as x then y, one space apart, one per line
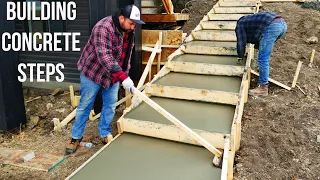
128 85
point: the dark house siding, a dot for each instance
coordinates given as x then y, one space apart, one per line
89 12
69 58
12 110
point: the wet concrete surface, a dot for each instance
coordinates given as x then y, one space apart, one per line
208 82
135 157
209 117
223 60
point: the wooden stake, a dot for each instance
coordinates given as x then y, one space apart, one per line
294 82
312 56
273 81
148 66
300 89
225 162
178 123
159 55
71 95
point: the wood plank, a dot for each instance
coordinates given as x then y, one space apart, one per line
211 50
41 161
228 25
182 16
193 94
235 10
157 7
230 166
148 66
283 1
149 49
225 162
225 17
158 18
296 75
169 37
273 81
202 68
215 35
169 132
166 7
237 3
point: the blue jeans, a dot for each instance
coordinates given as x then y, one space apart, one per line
274 31
88 92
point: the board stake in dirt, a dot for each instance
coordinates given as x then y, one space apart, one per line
294 82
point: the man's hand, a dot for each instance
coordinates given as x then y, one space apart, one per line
128 85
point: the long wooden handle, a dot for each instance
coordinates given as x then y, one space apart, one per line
178 123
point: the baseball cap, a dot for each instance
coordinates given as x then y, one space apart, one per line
133 13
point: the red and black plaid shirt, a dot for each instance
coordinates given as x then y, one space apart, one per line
104 54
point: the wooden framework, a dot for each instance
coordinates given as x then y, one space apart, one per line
229 142
192 94
211 50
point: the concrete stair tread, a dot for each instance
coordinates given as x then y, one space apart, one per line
158 160
224 25
212 44
211 48
222 60
214 117
235 10
225 17
206 82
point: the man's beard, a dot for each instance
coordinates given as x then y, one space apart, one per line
124 30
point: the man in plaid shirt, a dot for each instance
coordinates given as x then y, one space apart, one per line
262 29
104 63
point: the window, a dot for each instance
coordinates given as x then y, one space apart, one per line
45 26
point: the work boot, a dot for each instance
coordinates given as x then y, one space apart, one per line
261 90
107 139
73 146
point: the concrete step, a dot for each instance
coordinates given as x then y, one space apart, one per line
211 48
136 157
215 122
205 88
234 10
224 17
215 35
226 25
237 3
207 65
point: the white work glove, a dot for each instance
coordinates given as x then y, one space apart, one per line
128 85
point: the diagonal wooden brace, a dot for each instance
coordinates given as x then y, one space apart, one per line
178 123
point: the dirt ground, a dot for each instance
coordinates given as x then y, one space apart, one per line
279 132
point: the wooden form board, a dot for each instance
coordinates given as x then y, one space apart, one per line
209 50
283 1
169 37
168 6
224 17
169 132
227 25
203 68
164 17
215 35
237 3
192 94
235 10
